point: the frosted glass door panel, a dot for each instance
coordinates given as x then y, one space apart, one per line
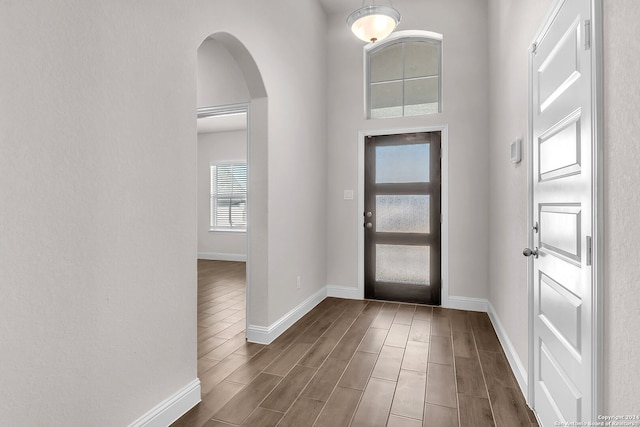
402 163
402 264
402 214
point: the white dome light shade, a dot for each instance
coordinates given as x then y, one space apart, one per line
373 23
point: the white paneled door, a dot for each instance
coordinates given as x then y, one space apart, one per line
562 166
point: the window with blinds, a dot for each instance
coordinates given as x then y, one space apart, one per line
228 196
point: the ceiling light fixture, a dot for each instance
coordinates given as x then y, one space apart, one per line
372 23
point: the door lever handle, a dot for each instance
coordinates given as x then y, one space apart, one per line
530 252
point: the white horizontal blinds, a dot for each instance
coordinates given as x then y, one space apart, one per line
229 196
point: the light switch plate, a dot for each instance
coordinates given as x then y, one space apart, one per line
348 194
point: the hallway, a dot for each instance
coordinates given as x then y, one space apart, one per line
348 362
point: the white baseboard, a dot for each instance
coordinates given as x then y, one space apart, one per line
467 303
345 292
172 408
266 334
512 356
222 257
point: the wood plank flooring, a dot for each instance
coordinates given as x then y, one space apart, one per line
349 363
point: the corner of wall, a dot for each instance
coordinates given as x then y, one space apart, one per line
266 334
215 256
346 292
465 303
483 305
172 408
518 368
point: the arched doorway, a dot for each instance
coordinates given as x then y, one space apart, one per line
247 90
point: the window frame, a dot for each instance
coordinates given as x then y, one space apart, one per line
213 226
397 38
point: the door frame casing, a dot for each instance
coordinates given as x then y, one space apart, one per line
444 209
597 178
224 110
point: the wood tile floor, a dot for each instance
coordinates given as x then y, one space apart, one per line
349 363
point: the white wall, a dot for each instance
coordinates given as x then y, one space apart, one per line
218 147
512 26
98 190
220 79
463 24
622 204
97 182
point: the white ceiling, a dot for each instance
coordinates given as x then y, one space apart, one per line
222 123
346 6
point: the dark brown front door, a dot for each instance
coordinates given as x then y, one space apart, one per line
402 217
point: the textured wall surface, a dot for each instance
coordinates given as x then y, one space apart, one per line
622 204
97 211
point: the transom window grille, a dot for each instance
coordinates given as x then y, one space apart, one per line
404 77
228 196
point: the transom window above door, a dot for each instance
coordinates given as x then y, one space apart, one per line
403 75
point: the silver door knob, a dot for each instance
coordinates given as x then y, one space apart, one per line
369 214
368 225
530 252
